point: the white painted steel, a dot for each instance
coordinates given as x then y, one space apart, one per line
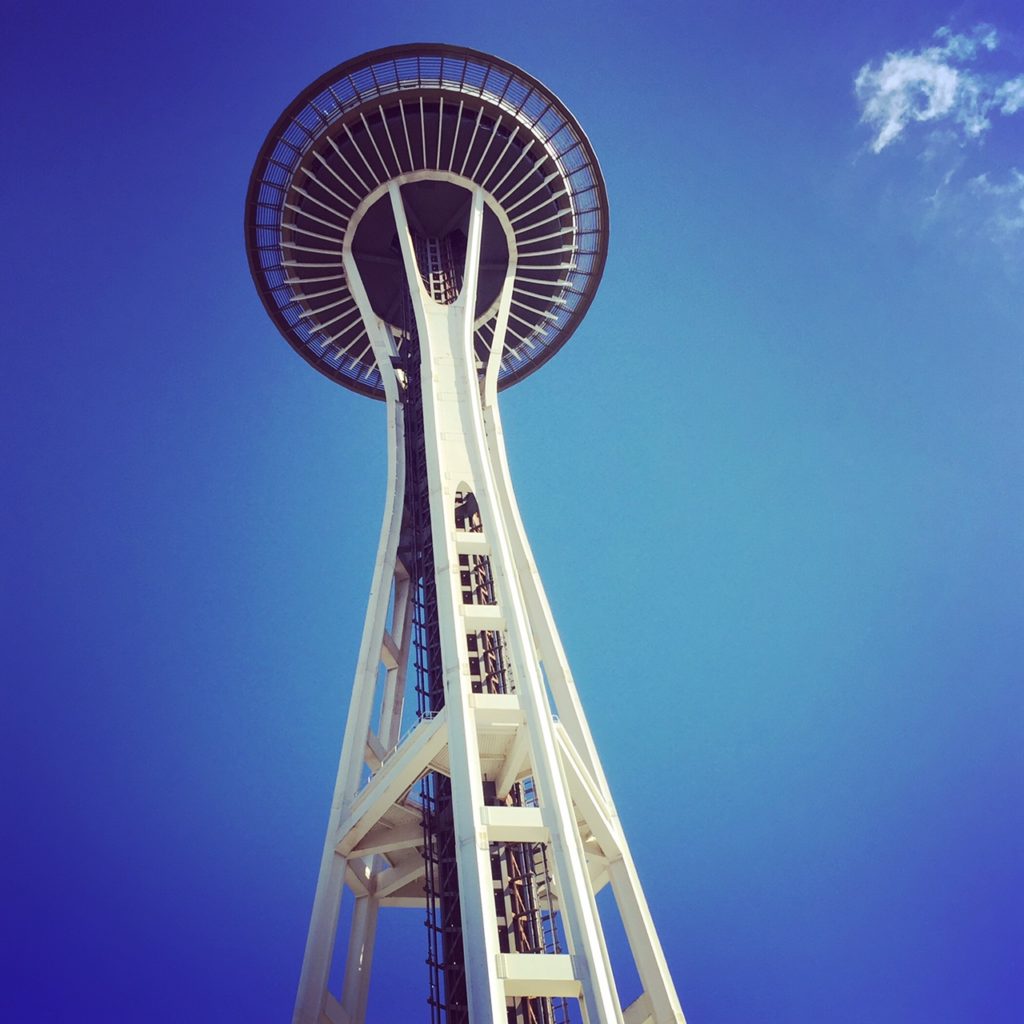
372 841
316 963
359 959
447 364
537 974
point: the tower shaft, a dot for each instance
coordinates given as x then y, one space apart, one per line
488 806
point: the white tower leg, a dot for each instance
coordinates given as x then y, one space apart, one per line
629 897
359 960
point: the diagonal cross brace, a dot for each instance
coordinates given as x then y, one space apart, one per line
399 771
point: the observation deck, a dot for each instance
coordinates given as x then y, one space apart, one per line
431 118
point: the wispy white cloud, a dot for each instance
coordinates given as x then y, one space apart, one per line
964 47
1010 95
941 101
1006 201
983 185
936 84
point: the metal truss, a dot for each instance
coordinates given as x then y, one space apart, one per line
493 812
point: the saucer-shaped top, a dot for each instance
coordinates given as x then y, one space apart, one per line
414 114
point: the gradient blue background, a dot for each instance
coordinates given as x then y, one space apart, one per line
773 484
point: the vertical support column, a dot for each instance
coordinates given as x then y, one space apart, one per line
579 909
393 699
440 328
644 943
549 645
643 939
359 957
466 433
323 925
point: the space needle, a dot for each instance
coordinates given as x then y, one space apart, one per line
427 225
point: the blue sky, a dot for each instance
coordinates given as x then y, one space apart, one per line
773 484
